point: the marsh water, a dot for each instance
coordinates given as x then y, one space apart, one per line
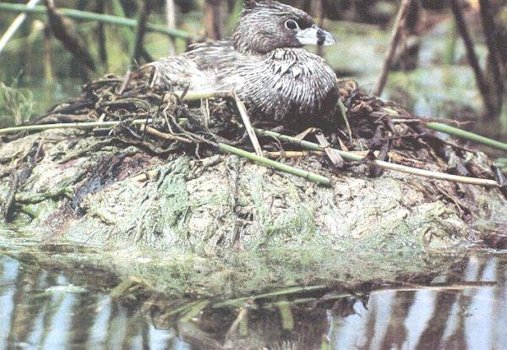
464 308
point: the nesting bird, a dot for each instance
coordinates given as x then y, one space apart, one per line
264 63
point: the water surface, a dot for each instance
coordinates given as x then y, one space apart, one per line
465 308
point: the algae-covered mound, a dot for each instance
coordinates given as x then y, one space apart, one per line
138 178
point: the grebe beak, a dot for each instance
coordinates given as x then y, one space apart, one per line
315 36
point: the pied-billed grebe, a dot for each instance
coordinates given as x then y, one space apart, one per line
264 64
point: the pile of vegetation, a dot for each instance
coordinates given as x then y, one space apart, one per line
368 130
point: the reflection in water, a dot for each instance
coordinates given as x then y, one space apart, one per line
42 309
451 315
464 309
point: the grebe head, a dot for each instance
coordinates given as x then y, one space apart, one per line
268 25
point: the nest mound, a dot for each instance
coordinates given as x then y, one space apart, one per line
152 193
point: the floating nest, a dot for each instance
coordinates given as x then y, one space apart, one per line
143 168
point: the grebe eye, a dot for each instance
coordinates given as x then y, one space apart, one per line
291 24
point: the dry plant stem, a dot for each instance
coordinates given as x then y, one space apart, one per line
203 95
300 154
471 55
248 125
85 125
163 135
293 154
382 164
399 26
435 174
18 21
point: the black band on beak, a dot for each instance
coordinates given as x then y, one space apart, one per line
321 37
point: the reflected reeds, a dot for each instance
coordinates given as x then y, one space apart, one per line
459 316
41 309
463 309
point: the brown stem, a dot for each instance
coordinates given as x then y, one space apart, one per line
488 22
471 55
213 19
141 30
63 31
399 26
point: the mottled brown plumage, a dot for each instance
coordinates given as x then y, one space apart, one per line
265 63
